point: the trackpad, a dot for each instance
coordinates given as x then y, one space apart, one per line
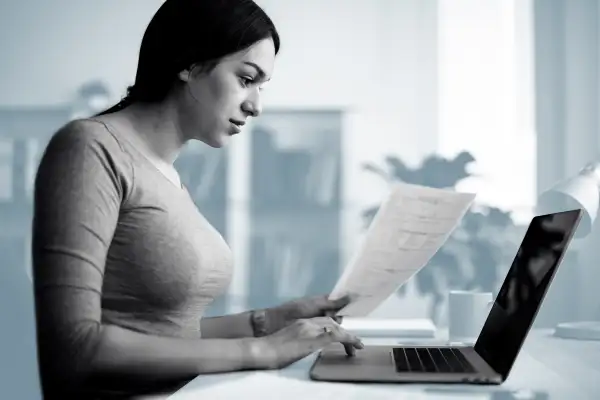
369 364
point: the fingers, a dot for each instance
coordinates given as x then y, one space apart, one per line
336 318
342 301
337 304
329 331
350 350
305 336
332 307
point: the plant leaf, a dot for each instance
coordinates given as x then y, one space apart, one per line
377 170
369 214
399 170
425 281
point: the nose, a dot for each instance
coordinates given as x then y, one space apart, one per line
252 105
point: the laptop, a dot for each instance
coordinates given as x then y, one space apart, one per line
491 358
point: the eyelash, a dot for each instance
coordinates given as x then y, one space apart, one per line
246 81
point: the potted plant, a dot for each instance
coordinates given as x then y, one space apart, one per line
473 255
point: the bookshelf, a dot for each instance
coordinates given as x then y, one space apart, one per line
295 205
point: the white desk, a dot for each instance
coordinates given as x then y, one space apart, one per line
554 368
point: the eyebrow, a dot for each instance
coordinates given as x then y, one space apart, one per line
261 72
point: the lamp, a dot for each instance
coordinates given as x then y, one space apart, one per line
579 191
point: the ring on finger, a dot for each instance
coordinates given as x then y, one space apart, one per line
327 329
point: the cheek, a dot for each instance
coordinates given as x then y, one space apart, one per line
215 101
227 96
203 106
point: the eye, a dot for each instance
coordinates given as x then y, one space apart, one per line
246 81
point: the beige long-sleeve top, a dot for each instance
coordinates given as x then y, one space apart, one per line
114 242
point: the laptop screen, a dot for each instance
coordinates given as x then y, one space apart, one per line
524 288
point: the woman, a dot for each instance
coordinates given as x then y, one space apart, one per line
124 264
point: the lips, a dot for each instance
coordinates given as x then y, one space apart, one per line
236 125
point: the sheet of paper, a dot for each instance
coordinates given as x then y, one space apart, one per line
387 327
409 228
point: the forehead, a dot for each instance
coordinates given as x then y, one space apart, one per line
261 54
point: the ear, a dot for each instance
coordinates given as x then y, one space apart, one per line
193 71
185 75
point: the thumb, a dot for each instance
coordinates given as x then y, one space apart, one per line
339 303
332 314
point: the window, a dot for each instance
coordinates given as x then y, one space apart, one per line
486 98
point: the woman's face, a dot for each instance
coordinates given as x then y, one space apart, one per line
217 103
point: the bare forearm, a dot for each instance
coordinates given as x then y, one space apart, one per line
85 358
126 352
248 324
227 326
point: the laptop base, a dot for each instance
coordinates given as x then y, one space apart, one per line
375 364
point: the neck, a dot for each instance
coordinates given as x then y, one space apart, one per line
157 125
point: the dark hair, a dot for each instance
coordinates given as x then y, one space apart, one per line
183 33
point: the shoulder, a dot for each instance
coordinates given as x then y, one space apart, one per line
85 133
84 138
86 146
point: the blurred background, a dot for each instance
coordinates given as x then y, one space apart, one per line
495 97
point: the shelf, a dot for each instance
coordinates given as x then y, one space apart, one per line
290 208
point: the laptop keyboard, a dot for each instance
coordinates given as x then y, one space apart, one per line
431 359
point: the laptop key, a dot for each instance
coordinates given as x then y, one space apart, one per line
463 360
413 359
458 362
400 360
439 360
426 360
423 359
455 364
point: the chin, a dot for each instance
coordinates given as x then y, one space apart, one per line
217 140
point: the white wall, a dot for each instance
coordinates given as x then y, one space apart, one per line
48 48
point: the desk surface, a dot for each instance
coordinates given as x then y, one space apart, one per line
548 368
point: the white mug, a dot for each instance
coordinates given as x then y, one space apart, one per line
467 312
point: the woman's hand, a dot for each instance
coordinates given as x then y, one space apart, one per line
299 339
306 308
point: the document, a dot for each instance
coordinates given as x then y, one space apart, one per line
409 228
